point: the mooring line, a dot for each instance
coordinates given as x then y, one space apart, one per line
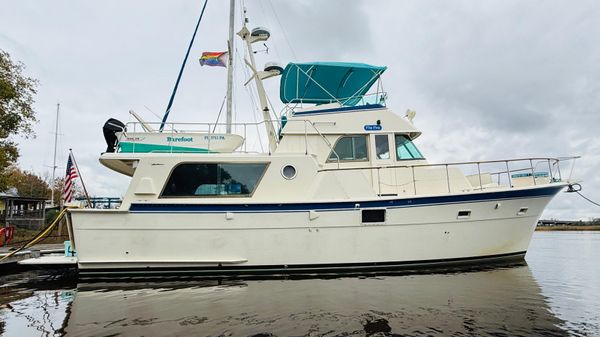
584 197
577 188
38 237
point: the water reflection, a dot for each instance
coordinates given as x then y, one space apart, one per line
566 267
500 302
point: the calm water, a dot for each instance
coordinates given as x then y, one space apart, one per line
556 293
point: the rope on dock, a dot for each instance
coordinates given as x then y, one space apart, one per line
39 236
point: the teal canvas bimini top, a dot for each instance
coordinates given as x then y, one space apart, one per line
326 82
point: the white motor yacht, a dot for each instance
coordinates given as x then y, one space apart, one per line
342 187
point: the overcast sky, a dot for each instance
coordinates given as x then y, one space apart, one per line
488 79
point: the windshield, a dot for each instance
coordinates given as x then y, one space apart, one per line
405 149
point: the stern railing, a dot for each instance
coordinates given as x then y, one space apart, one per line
175 129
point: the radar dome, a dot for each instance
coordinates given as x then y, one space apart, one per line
260 31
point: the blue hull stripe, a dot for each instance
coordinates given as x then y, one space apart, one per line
303 207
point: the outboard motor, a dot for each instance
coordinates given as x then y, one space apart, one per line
109 129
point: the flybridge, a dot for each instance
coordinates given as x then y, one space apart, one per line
328 82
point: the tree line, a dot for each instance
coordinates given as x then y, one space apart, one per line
17 117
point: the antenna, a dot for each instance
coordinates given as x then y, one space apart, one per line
54 162
266 50
228 119
410 115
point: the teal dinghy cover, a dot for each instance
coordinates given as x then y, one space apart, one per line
327 82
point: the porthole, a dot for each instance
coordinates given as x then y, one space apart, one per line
288 172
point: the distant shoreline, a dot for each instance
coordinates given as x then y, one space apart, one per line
562 228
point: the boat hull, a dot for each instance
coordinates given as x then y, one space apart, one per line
280 238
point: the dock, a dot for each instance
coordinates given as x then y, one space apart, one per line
35 251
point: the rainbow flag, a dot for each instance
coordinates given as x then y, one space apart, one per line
214 59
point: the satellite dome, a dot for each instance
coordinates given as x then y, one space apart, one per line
274 66
260 31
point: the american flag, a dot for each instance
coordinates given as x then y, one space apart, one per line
68 191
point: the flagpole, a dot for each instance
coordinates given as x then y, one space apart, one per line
81 178
53 181
230 45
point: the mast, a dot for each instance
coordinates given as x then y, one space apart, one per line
257 35
168 110
230 64
54 162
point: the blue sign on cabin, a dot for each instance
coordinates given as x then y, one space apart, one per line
372 127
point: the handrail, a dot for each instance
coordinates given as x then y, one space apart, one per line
451 163
380 98
552 177
504 175
326 142
209 129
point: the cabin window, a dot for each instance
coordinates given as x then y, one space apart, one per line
350 148
214 179
405 149
382 147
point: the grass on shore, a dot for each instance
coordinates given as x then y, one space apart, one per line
24 235
568 228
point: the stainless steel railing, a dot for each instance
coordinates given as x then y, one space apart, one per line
175 129
503 171
379 97
521 168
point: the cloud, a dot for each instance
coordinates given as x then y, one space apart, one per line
498 80
316 31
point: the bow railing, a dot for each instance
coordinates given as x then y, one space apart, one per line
457 177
